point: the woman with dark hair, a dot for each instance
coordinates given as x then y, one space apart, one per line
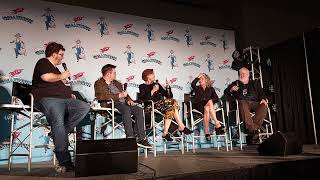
152 90
204 100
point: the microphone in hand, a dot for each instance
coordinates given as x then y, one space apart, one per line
64 65
125 86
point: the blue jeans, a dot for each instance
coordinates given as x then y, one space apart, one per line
62 115
126 112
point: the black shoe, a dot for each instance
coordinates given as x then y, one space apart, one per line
144 143
208 137
220 130
167 137
186 131
66 167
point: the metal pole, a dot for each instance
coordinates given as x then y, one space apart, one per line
309 86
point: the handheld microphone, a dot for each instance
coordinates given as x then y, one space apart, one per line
125 86
64 65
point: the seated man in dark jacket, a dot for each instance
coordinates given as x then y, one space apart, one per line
251 99
107 88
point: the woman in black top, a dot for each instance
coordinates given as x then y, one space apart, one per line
204 100
152 90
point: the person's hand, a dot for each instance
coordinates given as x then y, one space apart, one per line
131 103
123 94
167 83
234 88
66 74
73 96
155 88
201 74
263 101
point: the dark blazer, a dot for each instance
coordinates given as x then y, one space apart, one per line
254 91
201 94
103 92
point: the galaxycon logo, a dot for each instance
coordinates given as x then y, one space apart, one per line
224 41
40 51
79 51
77 24
103 26
49 19
130 56
15 16
209 62
150 58
188 38
226 64
104 54
190 62
150 33
173 59
13 76
79 79
126 30
20 48
207 41
130 82
173 85
169 37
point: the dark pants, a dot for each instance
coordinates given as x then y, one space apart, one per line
62 115
126 112
252 123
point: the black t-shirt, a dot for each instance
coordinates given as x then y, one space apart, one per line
41 88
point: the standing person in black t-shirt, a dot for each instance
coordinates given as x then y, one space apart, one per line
55 100
251 98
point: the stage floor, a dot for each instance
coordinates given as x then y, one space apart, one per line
203 164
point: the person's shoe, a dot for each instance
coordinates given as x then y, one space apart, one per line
220 130
167 137
144 143
186 131
70 166
208 137
65 167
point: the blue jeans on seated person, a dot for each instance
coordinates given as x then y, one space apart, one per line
62 115
126 112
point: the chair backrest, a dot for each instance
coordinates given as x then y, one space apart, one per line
22 92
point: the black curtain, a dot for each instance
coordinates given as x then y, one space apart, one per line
289 78
313 55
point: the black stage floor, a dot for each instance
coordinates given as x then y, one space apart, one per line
204 164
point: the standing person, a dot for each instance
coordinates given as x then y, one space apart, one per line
155 92
204 99
55 100
107 87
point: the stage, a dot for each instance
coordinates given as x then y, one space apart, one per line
204 164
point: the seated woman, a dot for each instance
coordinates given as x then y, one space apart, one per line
204 99
152 90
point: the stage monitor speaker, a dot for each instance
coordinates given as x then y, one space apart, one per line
280 144
107 156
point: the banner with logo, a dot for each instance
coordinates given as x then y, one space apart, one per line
92 38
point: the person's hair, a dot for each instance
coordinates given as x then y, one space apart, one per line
146 73
244 68
107 68
53 47
208 81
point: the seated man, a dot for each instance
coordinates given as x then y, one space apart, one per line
251 98
56 101
107 88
